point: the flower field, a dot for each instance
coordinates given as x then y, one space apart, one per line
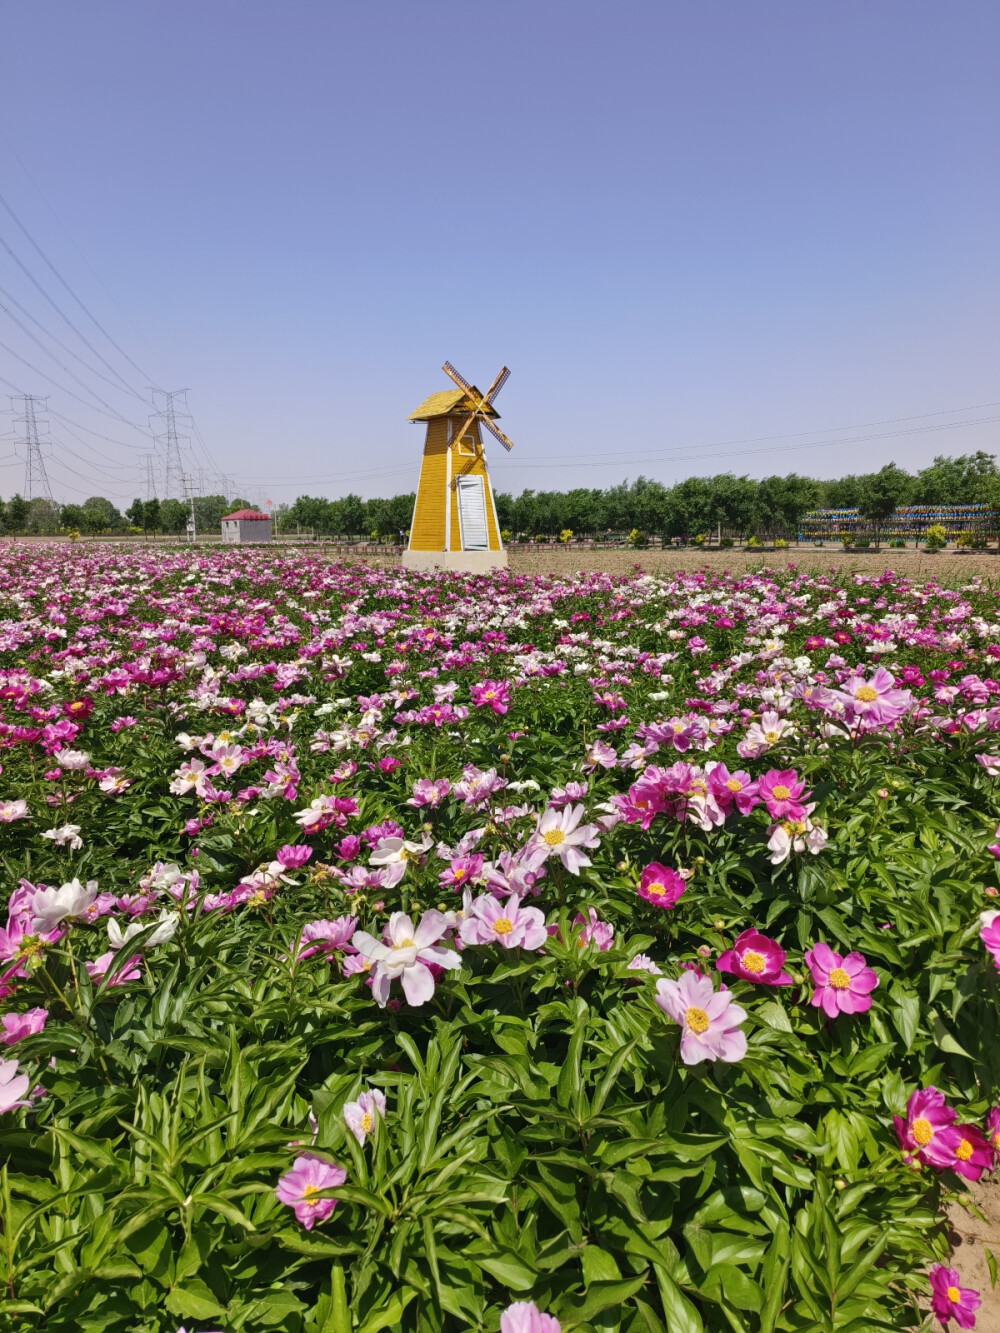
387 951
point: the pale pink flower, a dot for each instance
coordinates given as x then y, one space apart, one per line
13 1086
407 956
11 810
709 1019
302 1188
429 791
16 1026
515 927
525 1317
560 833
360 1116
761 735
595 931
128 971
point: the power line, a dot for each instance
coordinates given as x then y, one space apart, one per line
173 471
116 416
93 318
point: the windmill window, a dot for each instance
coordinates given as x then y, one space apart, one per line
467 445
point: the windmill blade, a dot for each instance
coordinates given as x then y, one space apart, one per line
496 386
453 374
473 416
495 430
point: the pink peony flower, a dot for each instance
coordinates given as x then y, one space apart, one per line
643 963
660 885
843 985
525 1317
301 1188
756 958
875 702
973 1153
595 931
16 1026
11 810
951 1301
709 1019
491 922
128 971
360 1116
463 870
429 791
326 936
780 790
928 1134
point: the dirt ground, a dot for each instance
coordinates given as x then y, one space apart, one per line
948 566
969 1235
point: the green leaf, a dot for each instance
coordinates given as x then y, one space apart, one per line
508 1268
194 1301
598 1265
390 1313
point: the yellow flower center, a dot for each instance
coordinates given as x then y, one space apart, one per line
367 1122
734 785
922 1131
307 1195
459 873
954 1295
554 837
656 888
772 736
696 1019
753 961
964 1151
502 925
839 979
867 695
405 944
31 947
781 792
490 694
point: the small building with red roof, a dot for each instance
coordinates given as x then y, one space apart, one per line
246 525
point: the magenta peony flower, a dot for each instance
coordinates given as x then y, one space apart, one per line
756 958
16 1026
293 857
595 931
300 1188
949 1300
993 1128
989 933
780 790
875 702
429 791
928 1134
842 984
660 885
525 1317
732 789
493 694
973 1153
709 1019
463 870
509 924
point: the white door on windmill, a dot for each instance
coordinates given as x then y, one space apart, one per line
472 514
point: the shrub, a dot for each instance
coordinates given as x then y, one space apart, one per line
566 535
726 542
780 544
754 541
935 538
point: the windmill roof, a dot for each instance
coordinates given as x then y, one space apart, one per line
246 514
447 403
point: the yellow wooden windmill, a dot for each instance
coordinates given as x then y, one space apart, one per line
455 519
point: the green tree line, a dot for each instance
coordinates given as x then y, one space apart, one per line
739 505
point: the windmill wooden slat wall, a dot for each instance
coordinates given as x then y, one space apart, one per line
437 526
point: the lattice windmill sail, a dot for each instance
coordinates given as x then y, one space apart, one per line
455 519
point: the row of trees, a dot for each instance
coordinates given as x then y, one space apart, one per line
741 506
772 507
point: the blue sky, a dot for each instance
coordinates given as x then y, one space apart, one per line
712 236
